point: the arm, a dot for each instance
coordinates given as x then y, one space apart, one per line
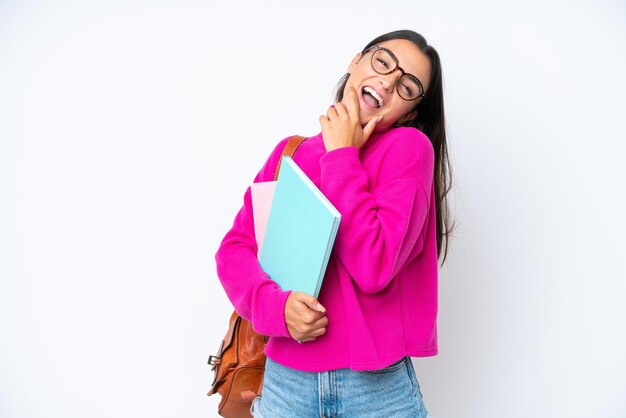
379 226
254 295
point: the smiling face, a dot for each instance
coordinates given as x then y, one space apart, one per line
377 93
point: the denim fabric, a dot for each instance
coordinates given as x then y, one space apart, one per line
390 392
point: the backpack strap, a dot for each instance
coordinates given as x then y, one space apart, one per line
289 150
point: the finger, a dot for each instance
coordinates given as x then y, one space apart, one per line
304 331
311 320
369 128
341 109
317 333
320 323
331 112
311 336
324 121
305 317
351 100
310 301
314 333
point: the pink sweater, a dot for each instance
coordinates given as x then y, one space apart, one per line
380 287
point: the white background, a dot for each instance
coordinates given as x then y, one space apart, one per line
129 131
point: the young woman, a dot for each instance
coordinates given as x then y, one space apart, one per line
381 160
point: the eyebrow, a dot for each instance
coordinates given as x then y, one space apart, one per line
398 61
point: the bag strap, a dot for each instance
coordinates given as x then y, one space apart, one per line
289 150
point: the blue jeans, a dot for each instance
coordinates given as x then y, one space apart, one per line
390 392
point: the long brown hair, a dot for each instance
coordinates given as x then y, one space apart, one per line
430 120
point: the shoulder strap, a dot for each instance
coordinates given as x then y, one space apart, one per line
290 149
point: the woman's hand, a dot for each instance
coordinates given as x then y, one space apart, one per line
341 126
305 317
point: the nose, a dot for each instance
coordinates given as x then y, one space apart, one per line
389 81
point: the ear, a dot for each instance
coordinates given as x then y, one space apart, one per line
407 117
354 62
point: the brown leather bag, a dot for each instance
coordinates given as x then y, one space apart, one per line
240 361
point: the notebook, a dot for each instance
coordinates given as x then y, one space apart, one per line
262 195
300 232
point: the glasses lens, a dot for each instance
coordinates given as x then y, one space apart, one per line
382 62
409 88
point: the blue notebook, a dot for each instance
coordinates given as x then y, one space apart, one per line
300 232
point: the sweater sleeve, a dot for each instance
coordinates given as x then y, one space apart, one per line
255 296
380 224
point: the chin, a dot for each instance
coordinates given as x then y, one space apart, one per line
365 116
382 128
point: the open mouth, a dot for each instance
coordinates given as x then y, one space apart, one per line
372 98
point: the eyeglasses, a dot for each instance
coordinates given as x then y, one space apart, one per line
385 62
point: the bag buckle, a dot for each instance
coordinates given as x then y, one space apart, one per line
214 360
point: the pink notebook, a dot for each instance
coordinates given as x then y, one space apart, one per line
262 195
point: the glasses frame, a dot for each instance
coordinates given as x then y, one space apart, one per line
397 67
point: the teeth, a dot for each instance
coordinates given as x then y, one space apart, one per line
376 95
